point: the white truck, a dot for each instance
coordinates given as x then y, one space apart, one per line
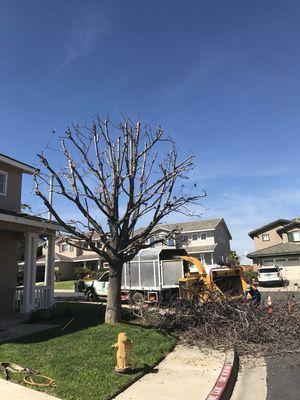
151 276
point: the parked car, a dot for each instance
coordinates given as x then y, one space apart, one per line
270 275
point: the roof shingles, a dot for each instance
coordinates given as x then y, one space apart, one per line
277 250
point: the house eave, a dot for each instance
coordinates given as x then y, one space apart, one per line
26 168
22 220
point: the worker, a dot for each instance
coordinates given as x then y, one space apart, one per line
254 293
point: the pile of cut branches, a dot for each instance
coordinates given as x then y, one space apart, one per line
232 323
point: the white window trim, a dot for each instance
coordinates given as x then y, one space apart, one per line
5 183
265 235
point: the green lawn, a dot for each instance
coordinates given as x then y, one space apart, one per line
64 285
80 358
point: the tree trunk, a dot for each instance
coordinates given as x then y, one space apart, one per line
113 306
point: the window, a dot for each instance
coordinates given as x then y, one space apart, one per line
266 270
294 236
265 237
64 247
151 240
195 236
293 259
185 238
3 183
170 242
104 277
203 236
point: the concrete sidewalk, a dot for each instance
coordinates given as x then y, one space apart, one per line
13 391
21 330
185 373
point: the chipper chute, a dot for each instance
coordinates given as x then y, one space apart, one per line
216 282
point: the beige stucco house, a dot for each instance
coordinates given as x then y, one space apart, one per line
16 226
278 243
208 240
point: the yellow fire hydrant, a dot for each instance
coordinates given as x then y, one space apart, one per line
123 347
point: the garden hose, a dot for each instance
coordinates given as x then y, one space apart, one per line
6 367
29 380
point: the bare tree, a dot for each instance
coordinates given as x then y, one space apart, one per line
122 175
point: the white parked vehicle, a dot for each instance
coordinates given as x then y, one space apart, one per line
270 275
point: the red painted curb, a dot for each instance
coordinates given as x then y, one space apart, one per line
224 385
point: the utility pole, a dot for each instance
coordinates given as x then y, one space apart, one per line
49 274
50 198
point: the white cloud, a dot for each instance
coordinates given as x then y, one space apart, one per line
244 212
87 28
214 165
200 70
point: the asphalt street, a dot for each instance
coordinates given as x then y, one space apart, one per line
283 377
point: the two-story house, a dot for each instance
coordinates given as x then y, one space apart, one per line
278 243
69 257
208 240
16 226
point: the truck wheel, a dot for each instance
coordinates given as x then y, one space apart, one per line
138 299
91 295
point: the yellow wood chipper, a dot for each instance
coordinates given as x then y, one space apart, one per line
211 282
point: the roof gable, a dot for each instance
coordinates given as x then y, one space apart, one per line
288 227
267 227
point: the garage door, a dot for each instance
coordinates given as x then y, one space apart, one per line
290 265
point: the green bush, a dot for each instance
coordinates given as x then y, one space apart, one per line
81 272
250 275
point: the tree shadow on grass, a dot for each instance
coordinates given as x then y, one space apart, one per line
70 318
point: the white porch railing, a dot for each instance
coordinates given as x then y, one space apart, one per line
41 298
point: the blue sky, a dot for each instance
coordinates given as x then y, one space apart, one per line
222 77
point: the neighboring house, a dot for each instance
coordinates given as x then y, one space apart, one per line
68 258
208 240
16 226
278 243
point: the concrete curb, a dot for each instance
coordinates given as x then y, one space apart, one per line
224 385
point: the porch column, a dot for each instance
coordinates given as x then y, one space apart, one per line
49 268
29 272
211 258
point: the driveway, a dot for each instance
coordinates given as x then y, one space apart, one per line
68 295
